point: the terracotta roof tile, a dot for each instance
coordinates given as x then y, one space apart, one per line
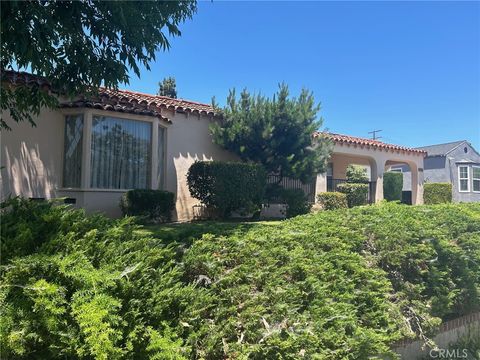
352 140
118 100
158 101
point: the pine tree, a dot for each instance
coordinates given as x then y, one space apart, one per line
168 87
277 133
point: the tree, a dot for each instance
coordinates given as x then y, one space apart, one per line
277 133
168 87
356 173
80 45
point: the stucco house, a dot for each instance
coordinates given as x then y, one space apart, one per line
91 150
457 163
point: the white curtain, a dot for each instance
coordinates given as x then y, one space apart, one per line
72 161
161 157
121 153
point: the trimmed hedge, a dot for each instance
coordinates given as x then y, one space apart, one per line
437 193
392 186
152 204
356 193
227 186
332 200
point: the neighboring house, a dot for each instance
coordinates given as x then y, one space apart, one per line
93 150
457 163
377 157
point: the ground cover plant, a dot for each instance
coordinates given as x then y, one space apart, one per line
340 284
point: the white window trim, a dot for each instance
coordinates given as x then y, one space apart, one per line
473 179
467 178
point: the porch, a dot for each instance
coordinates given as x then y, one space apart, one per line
376 158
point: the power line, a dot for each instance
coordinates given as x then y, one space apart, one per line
374 134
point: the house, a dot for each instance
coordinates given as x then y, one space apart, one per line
457 163
377 157
91 150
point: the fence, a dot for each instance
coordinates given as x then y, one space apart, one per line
287 183
448 333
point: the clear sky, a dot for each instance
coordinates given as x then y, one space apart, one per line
411 69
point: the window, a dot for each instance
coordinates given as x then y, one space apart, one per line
121 153
72 161
161 157
476 178
330 170
396 170
463 181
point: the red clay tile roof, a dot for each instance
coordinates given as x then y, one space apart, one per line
352 140
118 100
24 78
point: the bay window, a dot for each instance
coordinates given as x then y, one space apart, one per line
463 179
119 153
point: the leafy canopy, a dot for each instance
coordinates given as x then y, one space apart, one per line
277 133
80 45
168 87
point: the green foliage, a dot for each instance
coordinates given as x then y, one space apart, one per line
332 200
297 202
335 285
392 186
437 193
92 288
227 186
151 204
356 193
81 45
356 173
276 133
168 87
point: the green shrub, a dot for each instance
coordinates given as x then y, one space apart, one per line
437 193
151 204
356 193
334 285
356 173
332 200
89 287
392 186
227 186
297 202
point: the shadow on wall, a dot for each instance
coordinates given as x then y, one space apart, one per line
182 162
26 174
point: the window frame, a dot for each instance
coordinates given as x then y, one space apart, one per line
460 179
82 149
88 115
474 178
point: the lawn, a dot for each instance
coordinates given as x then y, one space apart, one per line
187 232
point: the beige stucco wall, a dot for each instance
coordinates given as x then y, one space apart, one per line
33 159
188 139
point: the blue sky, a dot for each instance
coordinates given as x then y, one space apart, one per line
411 69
